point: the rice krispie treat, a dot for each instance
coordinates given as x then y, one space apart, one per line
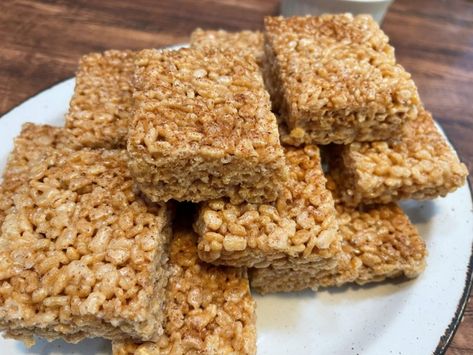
5 203
421 165
209 309
31 145
334 79
80 254
101 105
203 129
244 41
379 242
298 228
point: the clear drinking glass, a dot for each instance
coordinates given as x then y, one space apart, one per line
376 8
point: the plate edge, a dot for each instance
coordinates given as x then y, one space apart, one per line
447 337
60 81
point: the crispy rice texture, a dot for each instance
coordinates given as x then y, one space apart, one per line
421 165
334 79
379 242
203 129
298 228
244 41
30 146
209 309
80 253
102 102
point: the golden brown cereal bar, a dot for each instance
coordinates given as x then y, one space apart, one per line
298 228
379 242
334 79
5 203
421 165
100 107
246 41
30 147
251 42
203 129
209 309
81 255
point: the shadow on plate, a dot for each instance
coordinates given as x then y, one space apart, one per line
353 291
419 212
94 346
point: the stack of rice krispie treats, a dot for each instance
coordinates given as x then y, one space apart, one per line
334 82
293 146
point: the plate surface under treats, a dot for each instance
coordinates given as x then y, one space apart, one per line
412 317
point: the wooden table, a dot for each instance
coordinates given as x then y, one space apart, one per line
42 41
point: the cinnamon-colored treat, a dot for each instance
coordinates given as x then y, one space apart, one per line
421 165
5 203
334 79
379 242
209 309
244 41
101 105
80 254
250 42
203 129
298 228
31 145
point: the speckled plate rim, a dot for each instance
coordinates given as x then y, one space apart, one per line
446 339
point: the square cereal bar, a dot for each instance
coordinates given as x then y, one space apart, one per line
209 309
246 41
298 228
420 165
379 242
251 42
31 145
334 79
203 129
80 254
100 107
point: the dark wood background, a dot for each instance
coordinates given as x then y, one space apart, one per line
41 42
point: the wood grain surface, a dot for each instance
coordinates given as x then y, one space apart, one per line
43 40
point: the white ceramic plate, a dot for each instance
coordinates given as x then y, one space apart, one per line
410 317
